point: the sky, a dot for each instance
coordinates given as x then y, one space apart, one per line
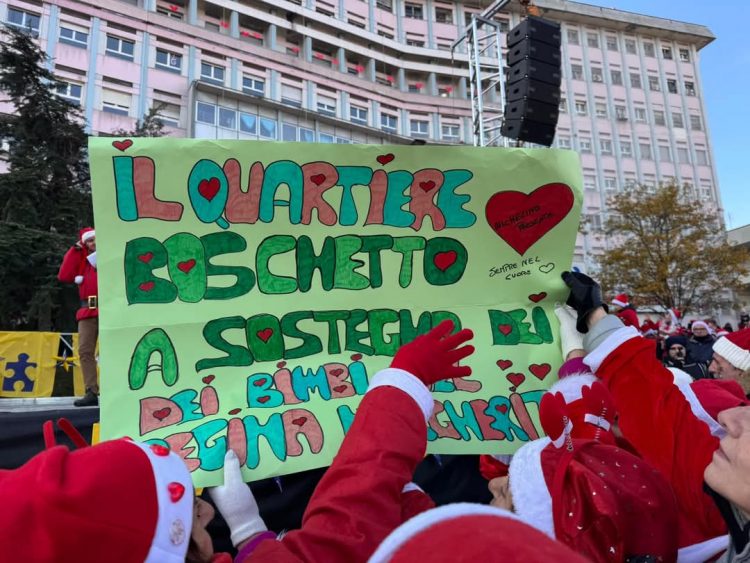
725 77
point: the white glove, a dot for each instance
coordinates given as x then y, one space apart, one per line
78 280
236 502
570 338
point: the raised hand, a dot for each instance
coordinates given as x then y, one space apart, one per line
585 297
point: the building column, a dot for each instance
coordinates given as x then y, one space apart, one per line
344 103
52 31
192 57
307 48
399 12
192 12
143 88
432 88
436 131
371 23
401 79
311 92
274 90
463 92
342 10
375 110
149 5
405 129
370 72
234 24
430 15
341 56
234 77
270 39
91 73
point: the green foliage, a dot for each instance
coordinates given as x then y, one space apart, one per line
150 125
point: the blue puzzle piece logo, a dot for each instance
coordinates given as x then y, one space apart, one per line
19 374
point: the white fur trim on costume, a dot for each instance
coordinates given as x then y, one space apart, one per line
597 356
700 413
571 386
704 551
619 303
411 486
680 376
735 355
87 235
175 520
409 384
78 280
425 520
531 498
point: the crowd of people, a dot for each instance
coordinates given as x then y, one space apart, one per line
642 462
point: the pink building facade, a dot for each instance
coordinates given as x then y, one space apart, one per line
380 71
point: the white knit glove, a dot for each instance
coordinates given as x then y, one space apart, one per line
236 502
570 338
78 280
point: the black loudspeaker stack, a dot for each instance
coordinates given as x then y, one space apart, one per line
532 85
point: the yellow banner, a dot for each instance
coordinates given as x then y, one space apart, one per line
28 363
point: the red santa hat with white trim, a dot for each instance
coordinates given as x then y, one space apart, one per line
467 532
86 233
621 300
118 501
735 348
600 500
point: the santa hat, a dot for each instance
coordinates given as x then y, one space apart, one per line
116 501
621 300
493 466
86 233
470 532
735 348
600 500
699 324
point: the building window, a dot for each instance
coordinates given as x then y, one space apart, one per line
640 115
576 72
666 52
610 183
253 85
592 40
677 120
563 141
596 74
573 37
589 182
69 91
118 47
630 47
695 123
291 96
327 106
706 190
388 122
326 138
116 102
268 128
685 55
690 88
605 145
621 113
74 37
419 127
659 117
616 76
665 154
648 50
671 86
168 114
288 132
701 157
23 20
205 113
581 107
443 15
683 156
584 144
635 80
168 61
227 118
645 151
612 43
451 133
358 115
249 123
212 73
563 105
306 135
601 110
414 43
386 5
413 11
171 12
653 84
626 148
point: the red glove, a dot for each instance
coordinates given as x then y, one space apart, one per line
433 356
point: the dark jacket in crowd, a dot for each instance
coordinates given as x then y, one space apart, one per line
694 369
701 350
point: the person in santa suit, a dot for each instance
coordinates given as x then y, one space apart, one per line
654 415
622 308
79 267
730 360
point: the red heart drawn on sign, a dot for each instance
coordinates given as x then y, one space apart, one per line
504 364
505 329
336 372
427 186
264 399
186 266
340 388
385 158
259 382
356 357
516 379
122 145
158 449
318 179
209 188
176 490
161 414
299 421
444 260
540 371
147 286
522 219
537 297
502 408
208 379
235 411
146 258
265 334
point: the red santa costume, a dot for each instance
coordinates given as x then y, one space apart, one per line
657 420
627 312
